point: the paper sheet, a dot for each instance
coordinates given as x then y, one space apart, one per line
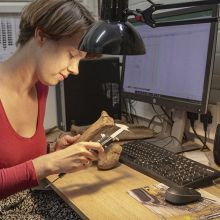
9 30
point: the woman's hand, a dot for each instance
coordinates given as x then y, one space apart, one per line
70 159
65 141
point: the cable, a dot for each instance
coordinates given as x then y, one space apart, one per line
153 118
176 140
168 143
205 139
204 147
161 115
163 138
154 109
130 110
133 110
169 117
127 115
206 119
152 3
165 145
192 117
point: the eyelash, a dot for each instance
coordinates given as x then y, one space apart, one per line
71 55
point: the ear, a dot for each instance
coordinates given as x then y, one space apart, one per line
39 36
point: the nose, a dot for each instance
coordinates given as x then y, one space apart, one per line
74 63
73 69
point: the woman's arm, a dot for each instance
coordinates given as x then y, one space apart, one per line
70 159
17 178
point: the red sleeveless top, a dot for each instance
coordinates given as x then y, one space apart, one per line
16 152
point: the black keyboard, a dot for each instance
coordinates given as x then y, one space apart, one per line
166 166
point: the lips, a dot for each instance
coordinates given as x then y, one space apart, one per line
62 76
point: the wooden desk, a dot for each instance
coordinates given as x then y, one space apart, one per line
102 195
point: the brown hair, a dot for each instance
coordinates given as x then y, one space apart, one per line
56 19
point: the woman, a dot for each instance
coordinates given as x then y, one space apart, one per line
50 33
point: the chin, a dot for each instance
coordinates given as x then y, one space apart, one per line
54 83
50 83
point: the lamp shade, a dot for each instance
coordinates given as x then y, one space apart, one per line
115 38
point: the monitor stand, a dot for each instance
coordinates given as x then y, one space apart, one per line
166 138
179 124
172 139
178 132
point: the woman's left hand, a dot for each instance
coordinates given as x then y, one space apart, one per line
65 141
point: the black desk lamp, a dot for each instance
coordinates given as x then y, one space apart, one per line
116 36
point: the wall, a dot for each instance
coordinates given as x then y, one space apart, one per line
92 5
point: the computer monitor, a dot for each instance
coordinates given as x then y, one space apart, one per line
176 71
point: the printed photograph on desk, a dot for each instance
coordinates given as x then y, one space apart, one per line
152 197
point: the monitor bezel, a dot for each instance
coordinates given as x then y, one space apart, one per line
175 102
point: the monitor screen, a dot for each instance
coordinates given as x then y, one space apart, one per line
176 71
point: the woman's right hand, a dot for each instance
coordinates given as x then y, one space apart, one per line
71 159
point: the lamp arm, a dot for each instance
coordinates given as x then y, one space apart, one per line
151 2
148 19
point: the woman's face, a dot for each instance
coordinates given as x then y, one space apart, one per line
57 59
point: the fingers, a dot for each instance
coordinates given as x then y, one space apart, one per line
95 148
72 139
68 140
87 164
77 156
82 161
80 164
89 155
